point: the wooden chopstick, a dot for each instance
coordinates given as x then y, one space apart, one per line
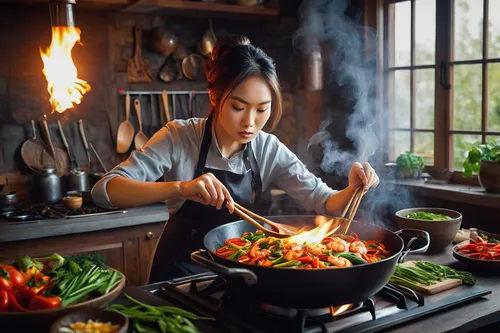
357 201
252 214
349 204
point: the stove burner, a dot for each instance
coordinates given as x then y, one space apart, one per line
327 311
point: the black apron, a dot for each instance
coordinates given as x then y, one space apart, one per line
185 230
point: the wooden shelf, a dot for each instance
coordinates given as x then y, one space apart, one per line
147 6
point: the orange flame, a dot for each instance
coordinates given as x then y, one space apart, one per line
335 311
315 235
64 86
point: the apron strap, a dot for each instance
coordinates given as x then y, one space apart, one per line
205 146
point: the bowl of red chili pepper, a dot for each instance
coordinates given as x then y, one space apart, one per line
34 292
481 251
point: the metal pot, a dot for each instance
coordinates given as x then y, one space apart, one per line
48 186
8 201
308 288
312 70
78 180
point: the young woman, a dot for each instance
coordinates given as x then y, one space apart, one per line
208 164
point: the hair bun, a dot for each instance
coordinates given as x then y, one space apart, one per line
227 44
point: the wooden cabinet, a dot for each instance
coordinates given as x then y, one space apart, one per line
129 249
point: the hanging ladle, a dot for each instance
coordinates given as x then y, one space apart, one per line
280 230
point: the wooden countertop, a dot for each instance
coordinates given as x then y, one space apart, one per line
464 317
16 231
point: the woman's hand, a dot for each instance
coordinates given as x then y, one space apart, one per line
363 175
207 190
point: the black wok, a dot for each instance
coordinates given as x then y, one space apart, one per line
303 288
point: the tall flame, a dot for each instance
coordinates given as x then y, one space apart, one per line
64 86
315 235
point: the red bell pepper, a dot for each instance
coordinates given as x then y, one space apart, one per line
14 305
255 247
24 294
315 262
5 284
265 263
244 259
256 259
41 302
12 274
4 300
237 242
305 259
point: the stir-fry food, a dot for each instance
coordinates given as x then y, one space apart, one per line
481 248
336 251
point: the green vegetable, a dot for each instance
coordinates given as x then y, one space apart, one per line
486 151
23 263
410 161
147 318
489 239
354 259
426 273
428 216
288 263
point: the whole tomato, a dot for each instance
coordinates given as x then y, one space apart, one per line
4 301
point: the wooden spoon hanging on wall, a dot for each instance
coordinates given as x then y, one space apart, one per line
53 156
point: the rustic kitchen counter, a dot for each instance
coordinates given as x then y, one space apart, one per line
17 231
478 314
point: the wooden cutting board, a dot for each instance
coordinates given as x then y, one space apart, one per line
435 288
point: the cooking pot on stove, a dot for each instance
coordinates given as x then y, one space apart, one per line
48 186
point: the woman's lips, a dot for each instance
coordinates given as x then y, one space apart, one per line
245 135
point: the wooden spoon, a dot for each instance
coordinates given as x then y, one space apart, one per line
280 230
140 138
126 130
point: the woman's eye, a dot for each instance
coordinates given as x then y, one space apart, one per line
262 110
238 109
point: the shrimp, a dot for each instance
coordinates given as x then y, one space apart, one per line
316 249
339 261
357 247
338 245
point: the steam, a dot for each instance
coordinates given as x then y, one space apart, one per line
349 53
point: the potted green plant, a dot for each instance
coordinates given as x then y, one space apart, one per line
409 165
484 159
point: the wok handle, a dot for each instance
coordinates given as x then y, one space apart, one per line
247 275
422 234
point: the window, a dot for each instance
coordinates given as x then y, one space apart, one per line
442 88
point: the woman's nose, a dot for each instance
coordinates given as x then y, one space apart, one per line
248 119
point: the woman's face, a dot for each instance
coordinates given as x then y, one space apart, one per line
246 110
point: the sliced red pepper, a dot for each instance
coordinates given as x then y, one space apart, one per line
244 259
327 240
255 259
305 259
255 247
289 255
365 256
321 264
265 263
356 238
41 302
227 253
4 300
315 262
236 241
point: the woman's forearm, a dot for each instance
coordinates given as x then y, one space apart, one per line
337 201
124 192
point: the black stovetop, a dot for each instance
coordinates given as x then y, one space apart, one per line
207 295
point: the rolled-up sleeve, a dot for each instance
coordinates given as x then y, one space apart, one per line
148 164
281 167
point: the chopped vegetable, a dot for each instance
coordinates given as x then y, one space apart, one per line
428 216
162 319
480 249
90 327
261 250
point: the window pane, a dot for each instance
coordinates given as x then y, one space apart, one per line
467 85
425 32
424 99
461 144
401 143
494 29
424 146
494 96
402 33
493 138
469 29
400 111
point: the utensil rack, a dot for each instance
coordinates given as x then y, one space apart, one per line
176 92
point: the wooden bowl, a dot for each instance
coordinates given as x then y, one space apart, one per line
442 233
94 314
73 202
40 321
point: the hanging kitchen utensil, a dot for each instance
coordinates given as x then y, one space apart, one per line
192 67
98 157
52 156
190 103
85 142
138 67
164 99
32 151
208 41
140 138
126 130
170 71
163 41
174 106
73 162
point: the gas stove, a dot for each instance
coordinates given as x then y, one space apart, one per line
209 295
37 212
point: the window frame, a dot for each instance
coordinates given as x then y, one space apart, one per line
443 99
